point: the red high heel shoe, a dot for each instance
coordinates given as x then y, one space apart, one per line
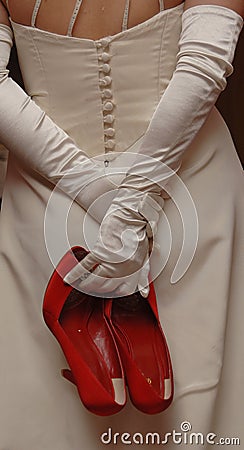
143 350
78 323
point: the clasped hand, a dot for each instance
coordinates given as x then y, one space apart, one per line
118 265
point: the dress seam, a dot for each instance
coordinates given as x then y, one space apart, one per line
48 91
160 55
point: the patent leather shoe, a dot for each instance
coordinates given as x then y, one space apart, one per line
77 321
143 349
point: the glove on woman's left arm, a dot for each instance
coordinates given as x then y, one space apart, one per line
28 133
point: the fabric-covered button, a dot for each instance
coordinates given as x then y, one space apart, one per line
106 81
109 132
107 93
109 118
110 155
105 68
105 57
108 106
105 42
98 44
110 144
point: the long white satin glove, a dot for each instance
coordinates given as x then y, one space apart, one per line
122 250
27 132
206 50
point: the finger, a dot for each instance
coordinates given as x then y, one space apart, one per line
99 283
125 289
128 285
81 270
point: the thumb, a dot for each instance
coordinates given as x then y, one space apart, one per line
82 270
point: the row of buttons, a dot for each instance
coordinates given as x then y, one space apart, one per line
105 82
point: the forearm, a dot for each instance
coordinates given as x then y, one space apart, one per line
206 50
28 133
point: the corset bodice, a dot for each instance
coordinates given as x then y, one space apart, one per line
102 93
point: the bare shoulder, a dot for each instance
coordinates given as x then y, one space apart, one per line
3 13
3 5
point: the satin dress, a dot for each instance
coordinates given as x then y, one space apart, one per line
201 313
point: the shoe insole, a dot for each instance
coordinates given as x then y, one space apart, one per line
85 325
139 330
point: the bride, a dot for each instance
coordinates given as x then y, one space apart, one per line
121 87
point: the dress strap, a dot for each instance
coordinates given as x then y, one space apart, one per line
35 12
161 5
74 17
126 15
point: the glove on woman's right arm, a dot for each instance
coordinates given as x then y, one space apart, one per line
206 50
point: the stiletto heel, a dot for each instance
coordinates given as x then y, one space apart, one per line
78 323
143 350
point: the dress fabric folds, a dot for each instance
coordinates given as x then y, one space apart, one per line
201 313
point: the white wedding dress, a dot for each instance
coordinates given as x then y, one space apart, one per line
202 314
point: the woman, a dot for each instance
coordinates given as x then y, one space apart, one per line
107 95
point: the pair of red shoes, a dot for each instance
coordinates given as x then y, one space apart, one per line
109 344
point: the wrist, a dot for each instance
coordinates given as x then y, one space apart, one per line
150 207
141 205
